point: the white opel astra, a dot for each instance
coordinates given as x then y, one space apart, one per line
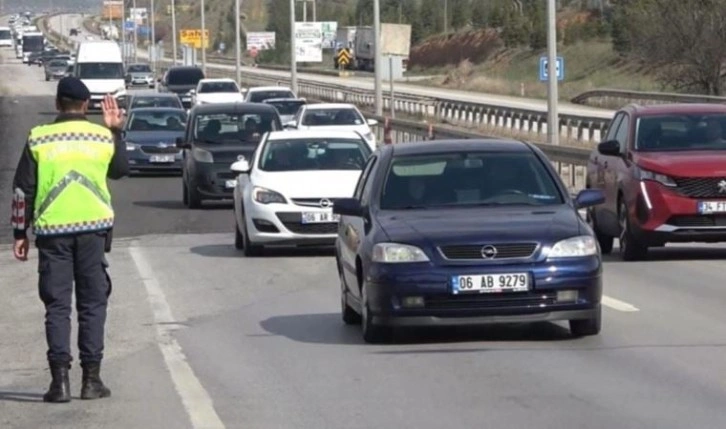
285 193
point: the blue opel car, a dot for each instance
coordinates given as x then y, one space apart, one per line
466 232
150 134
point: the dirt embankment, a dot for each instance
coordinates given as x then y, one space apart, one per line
475 46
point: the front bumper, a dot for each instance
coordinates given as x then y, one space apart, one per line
391 287
660 215
214 181
283 224
140 81
155 160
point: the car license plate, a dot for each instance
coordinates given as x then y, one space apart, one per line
320 217
162 158
186 98
490 283
708 207
230 184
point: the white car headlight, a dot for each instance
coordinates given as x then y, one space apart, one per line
201 155
392 253
266 196
642 174
131 146
574 247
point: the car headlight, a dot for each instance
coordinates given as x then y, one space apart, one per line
642 174
201 155
392 253
574 247
266 196
131 146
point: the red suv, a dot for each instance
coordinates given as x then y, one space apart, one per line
663 171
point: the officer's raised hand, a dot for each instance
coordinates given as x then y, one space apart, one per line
113 116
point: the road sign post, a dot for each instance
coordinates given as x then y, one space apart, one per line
554 73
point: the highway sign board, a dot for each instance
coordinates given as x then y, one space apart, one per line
560 67
308 42
194 38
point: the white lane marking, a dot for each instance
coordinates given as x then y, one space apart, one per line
196 400
616 304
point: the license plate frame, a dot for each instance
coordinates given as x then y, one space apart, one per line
230 183
500 283
307 218
161 159
711 207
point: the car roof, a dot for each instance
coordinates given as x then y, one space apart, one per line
321 106
216 79
152 93
446 146
158 109
234 107
677 108
313 134
270 88
277 100
184 68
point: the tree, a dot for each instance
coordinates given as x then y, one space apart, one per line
538 27
459 13
684 40
479 14
364 12
432 17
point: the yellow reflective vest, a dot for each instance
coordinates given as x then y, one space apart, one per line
72 195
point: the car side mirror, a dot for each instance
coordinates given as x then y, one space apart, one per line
348 207
240 167
290 125
589 198
609 148
181 144
372 122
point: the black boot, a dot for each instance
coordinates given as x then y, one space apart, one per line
60 387
93 387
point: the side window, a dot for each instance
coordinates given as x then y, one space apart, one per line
610 135
623 131
358 194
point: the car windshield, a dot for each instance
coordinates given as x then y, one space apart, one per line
58 64
214 87
185 77
5 34
139 68
234 127
152 101
332 117
287 107
163 120
681 132
100 71
260 96
464 179
314 154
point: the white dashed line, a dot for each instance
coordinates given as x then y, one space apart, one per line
196 400
618 305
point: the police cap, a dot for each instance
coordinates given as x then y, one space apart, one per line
73 88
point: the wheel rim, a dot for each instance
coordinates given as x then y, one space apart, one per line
623 227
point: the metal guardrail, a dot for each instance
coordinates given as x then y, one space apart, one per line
606 96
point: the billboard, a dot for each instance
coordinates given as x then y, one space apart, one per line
193 37
309 42
138 15
112 9
330 32
261 40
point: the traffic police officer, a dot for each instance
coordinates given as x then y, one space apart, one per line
60 190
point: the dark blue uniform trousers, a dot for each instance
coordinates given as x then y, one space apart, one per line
66 259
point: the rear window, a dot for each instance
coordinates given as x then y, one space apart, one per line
468 179
185 77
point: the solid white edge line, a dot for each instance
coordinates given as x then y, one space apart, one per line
616 304
196 400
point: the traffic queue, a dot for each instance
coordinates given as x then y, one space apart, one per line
431 233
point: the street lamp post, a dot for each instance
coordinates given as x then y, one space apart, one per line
153 37
377 61
293 50
136 35
553 121
173 30
237 42
204 41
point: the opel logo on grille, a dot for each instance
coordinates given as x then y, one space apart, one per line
488 252
240 157
325 203
722 187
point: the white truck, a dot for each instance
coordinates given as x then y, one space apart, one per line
395 40
99 65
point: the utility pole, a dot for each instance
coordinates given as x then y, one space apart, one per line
378 78
173 30
237 41
153 37
123 32
553 122
204 41
293 50
315 10
136 34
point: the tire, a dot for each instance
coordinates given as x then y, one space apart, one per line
372 334
250 250
348 314
605 241
194 199
587 327
185 193
239 240
631 249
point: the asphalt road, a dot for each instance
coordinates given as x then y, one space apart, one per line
201 337
362 82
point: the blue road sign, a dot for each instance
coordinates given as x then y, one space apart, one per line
560 66
129 25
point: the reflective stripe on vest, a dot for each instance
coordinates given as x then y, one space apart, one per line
72 195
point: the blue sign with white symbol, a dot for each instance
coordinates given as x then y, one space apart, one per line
129 25
560 66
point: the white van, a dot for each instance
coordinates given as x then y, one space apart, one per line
6 37
100 66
